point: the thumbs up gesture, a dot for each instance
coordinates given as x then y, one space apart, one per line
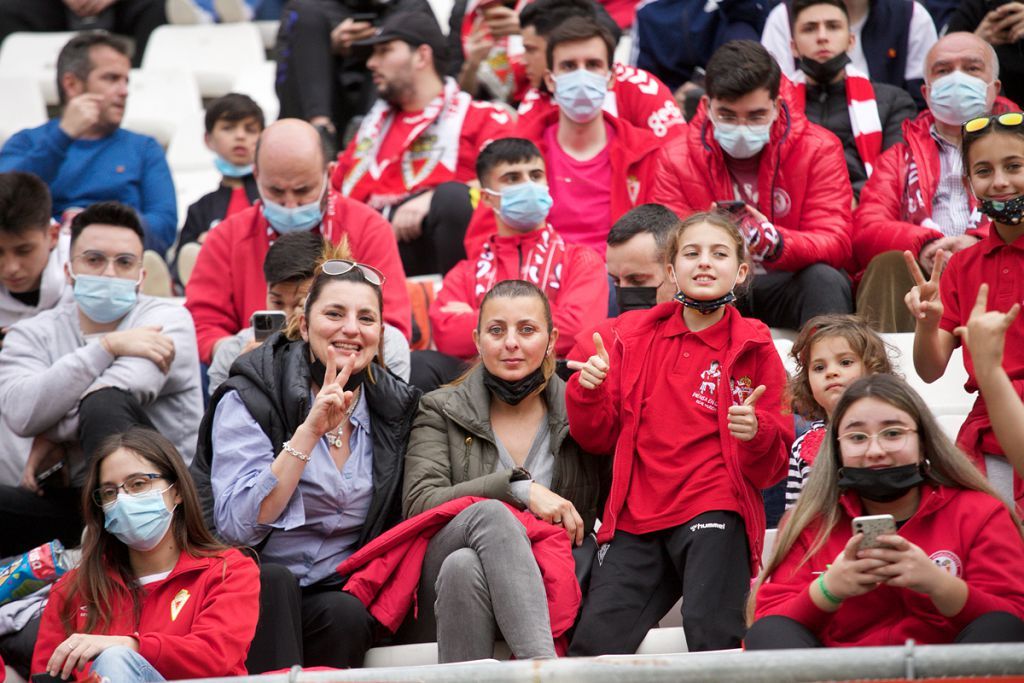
593 372
742 420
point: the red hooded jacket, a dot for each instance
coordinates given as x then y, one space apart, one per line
385 573
632 156
606 420
196 623
968 533
803 186
227 285
573 304
881 221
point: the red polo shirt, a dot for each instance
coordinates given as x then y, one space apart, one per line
679 471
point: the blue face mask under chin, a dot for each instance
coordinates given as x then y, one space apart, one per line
230 170
105 299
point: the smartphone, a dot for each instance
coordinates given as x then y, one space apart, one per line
995 4
734 206
43 477
46 678
266 323
873 526
368 17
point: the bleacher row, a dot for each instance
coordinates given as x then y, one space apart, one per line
184 65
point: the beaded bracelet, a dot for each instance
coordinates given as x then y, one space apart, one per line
287 446
824 591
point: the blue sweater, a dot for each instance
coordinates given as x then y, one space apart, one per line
124 166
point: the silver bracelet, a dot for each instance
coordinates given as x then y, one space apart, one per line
287 446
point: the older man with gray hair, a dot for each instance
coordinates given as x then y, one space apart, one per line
916 199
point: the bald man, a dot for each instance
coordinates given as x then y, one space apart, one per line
916 200
227 284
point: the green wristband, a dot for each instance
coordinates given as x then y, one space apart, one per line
824 591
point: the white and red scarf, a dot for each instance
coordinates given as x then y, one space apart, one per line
860 100
432 141
542 265
499 70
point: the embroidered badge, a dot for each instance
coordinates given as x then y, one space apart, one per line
178 602
706 394
947 561
633 187
741 388
781 202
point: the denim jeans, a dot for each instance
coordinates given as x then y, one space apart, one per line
123 665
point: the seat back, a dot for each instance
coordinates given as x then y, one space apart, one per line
213 53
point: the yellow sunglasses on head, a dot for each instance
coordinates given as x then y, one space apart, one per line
1009 119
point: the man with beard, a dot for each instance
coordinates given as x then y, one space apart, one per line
415 152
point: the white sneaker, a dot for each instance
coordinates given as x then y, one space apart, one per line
186 12
232 11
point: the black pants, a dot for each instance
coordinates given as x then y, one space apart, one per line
788 300
440 246
34 520
136 18
640 577
318 625
432 369
783 633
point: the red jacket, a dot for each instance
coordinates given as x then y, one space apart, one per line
881 221
803 185
632 155
196 623
574 304
227 284
385 573
968 533
606 420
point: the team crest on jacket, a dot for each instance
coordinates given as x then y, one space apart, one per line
741 388
706 395
948 562
781 202
633 187
178 602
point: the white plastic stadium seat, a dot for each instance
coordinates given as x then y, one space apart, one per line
783 346
34 55
190 186
257 81
442 10
187 150
159 101
946 395
268 32
21 105
951 424
214 53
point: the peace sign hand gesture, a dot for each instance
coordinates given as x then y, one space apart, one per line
332 403
985 332
923 299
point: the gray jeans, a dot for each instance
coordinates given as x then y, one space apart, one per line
480 577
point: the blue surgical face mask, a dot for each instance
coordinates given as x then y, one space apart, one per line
523 206
958 97
140 522
742 141
297 218
580 94
230 170
105 299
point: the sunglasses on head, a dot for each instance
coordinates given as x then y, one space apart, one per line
341 266
1009 119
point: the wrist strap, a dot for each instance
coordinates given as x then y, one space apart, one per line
287 447
824 591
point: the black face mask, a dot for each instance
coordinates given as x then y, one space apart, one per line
513 393
317 372
823 72
705 307
635 298
1010 212
881 485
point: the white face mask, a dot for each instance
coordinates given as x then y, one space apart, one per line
958 97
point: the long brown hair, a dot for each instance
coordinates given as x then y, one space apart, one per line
105 575
865 342
818 505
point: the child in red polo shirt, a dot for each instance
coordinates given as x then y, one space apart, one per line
689 400
993 153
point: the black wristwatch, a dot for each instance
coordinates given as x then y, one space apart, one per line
520 474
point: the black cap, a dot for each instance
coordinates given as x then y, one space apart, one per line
415 28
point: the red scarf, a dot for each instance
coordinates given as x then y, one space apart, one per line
542 265
860 101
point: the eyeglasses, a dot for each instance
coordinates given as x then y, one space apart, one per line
135 485
96 262
1009 119
890 440
341 266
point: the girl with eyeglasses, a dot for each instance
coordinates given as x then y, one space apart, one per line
155 597
306 440
951 572
993 158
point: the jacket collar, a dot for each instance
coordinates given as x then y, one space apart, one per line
631 142
933 496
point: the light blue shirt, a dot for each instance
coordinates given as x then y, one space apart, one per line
321 523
